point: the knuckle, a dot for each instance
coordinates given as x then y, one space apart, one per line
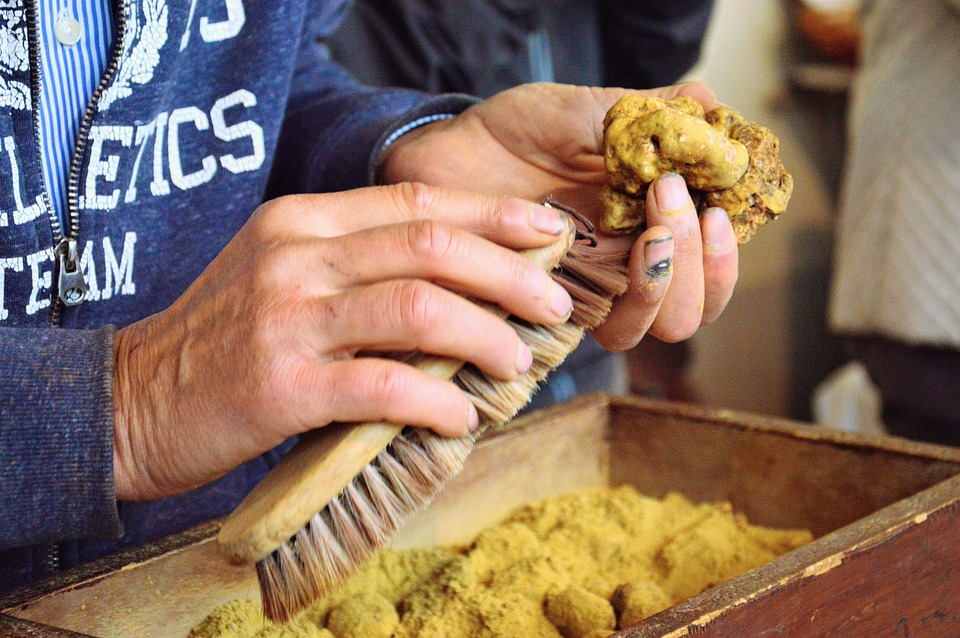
494 212
688 240
520 271
280 205
325 313
272 214
273 265
419 305
264 271
384 385
260 224
414 198
431 240
502 346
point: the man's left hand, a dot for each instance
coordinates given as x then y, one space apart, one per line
540 140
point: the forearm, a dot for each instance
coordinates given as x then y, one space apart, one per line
334 128
331 143
56 436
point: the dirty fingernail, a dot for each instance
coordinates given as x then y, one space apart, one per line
671 194
658 256
560 302
546 220
717 232
524 357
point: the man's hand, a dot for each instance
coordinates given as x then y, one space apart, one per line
263 345
547 139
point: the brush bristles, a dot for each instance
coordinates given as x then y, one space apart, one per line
405 477
499 401
401 481
593 280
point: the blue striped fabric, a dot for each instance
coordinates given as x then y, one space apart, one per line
69 76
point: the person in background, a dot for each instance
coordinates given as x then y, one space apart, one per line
896 289
482 47
203 221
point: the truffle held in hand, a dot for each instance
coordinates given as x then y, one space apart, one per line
726 161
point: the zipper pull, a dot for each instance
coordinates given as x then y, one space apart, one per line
71 288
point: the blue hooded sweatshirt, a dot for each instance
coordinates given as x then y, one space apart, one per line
207 108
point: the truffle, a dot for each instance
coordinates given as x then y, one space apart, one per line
726 161
576 612
636 600
363 616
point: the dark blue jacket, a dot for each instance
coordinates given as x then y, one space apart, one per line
208 107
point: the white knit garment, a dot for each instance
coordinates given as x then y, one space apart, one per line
897 259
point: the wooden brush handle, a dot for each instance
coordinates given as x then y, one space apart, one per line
324 461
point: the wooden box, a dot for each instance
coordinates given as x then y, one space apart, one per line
886 513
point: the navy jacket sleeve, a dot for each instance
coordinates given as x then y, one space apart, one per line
335 128
57 436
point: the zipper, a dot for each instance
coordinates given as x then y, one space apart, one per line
33 44
70 286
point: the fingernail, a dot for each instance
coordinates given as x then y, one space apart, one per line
524 357
560 302
658 256
546 220
671 193
717 235
473 419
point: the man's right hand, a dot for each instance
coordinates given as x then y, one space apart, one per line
262 345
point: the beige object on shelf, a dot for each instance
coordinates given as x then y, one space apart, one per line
831 26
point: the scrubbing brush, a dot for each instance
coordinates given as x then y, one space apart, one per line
343 490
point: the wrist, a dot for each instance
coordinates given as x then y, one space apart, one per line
131 409
390 167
